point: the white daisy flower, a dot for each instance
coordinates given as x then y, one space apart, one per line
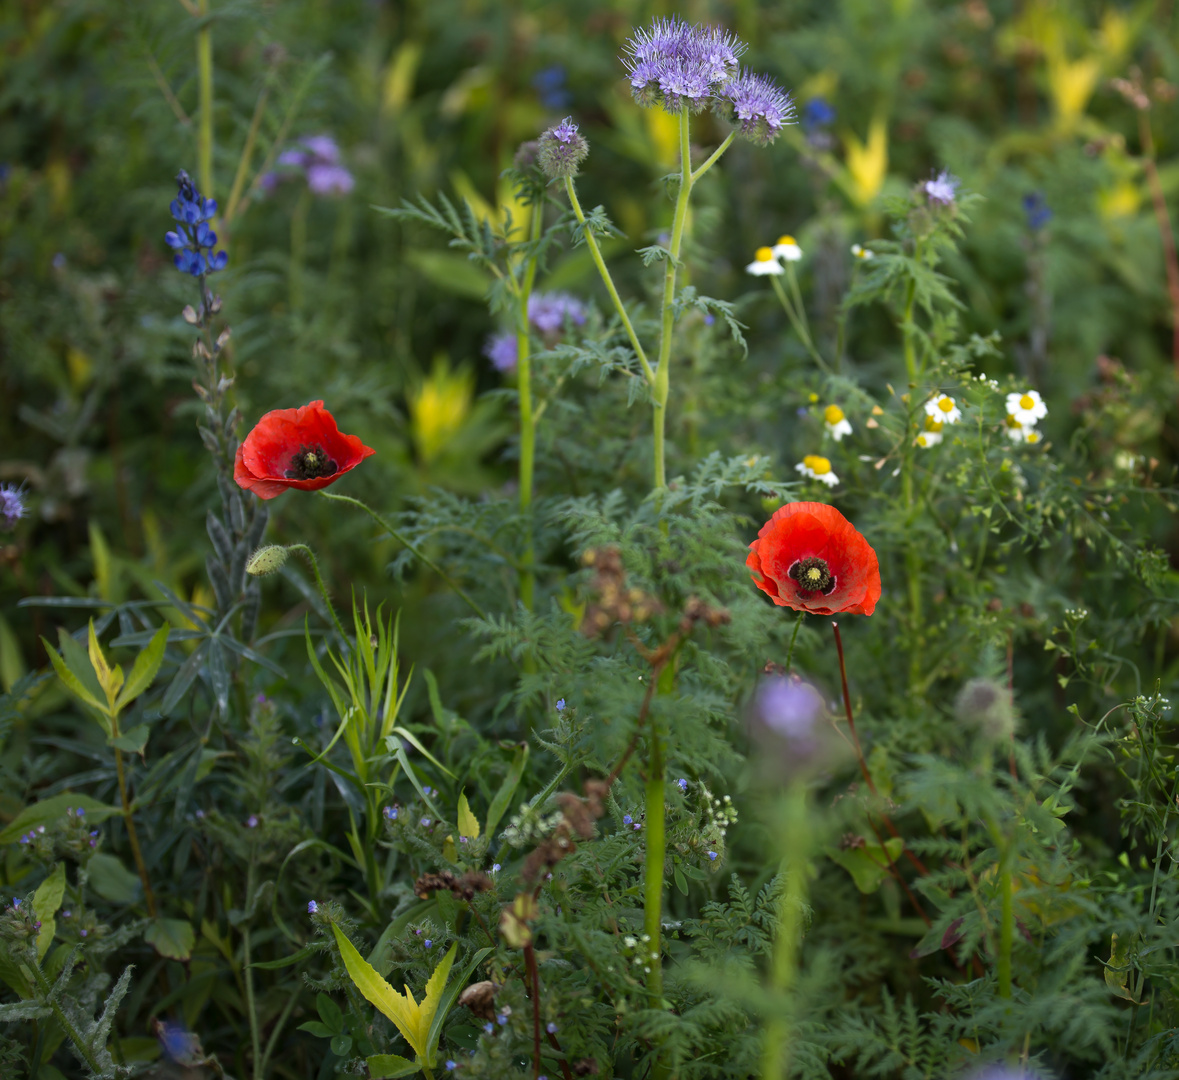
861 252
817 468
927 440
764 263
836 422
943 409
787 249
1022 433
1026 407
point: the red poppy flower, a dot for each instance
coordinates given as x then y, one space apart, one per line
296 448
809 557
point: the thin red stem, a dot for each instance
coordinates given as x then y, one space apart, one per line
534 978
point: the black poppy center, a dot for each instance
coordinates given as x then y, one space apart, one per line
310 463
813 575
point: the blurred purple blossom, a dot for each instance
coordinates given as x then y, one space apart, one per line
548 311
549 84
12 505
760 106
1037 210
317 158
942 189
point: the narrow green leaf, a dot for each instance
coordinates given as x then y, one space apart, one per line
147 663
503 798
73 684
447 999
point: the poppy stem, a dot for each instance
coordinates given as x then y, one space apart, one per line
793 638
305 550
409 546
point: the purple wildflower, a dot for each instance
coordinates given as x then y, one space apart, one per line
495 869
390 813
193 241
551 1028
488 1027
817 113
428 943
548 311
12 505
318 159
561 149
942 188
760 106
252 821
678 65
560 704
682 784
449 1065
790 710
627 819
501 351
712 856
312 907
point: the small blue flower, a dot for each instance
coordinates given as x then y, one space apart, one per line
627 819
425 823
500 349
549 84
638 825
428 943
312 907
682 784
252 821
391 813
16 901
81 811
502 1019
496 868
489 1027
817 113
560 704
1037 211
190 209
712 856
449 1065
551 1028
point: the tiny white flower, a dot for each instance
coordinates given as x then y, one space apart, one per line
764 263
787 249
837 423
1026 407
927 440
629 942
862 252
1126 461
817 468
1022 433
943 409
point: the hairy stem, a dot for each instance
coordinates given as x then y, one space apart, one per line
454 586
310 556
204 54
653 868
596 254
83 1048
149 897
661 390
527 420
248 972
795 836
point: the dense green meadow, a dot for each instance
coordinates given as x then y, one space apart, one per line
589 539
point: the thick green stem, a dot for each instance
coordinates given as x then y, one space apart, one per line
204 52
527 420
795 834
129 820
310 556
454 586
661 390
596 254
653 869
912 556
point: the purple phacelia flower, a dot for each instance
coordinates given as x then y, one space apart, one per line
679 66
942 189
501 351
317 159
761 108
561 150
549 311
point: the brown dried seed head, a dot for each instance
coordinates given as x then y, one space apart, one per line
480 999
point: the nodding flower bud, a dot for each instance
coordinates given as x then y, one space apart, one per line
560 150
267 560
985 706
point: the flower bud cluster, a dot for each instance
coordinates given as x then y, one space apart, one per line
561 150
67 837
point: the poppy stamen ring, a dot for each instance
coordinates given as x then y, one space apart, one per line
310 463
813 575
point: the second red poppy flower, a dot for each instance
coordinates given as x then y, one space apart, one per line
296 448
809 557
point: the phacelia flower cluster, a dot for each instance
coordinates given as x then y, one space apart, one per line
193 241
942 189
549 313
12 506
560 150
678 66
317 160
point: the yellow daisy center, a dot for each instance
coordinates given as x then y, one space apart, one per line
946 405
1012 422
788 240
1027 402
1033 436
922 440
833 414
933 425
764 255
818 465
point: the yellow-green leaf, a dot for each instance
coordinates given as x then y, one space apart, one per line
468 824
387 1066
402 1009
433 996
46 900
147 663
72 683
101 667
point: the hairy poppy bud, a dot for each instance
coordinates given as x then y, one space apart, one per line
266 560
560 150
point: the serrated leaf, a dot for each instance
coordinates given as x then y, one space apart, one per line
468 824
173 938
143 671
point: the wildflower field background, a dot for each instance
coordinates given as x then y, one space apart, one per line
556 539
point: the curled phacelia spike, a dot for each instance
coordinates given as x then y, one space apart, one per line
760 107
561 150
